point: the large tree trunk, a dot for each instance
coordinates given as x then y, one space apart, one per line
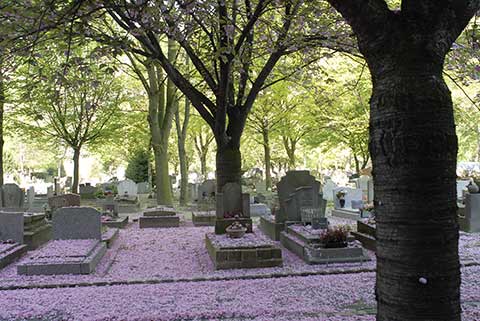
162 178
160 115
229 165
2 108
267 159
76 169
414 148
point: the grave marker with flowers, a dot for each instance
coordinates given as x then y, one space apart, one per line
234 244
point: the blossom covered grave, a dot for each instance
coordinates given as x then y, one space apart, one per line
110 217
11 237
159 217
248 251
366 234
296 191
314 246
37 230
127 197
77 247
203 218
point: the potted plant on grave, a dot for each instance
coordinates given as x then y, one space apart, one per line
236 230
341 197
335 237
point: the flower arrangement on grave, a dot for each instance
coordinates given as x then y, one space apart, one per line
341 197
334 237
236 230
232 214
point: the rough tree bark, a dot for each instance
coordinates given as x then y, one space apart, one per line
413 147
76 168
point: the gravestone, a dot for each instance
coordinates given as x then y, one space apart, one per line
11 226
469 216
193 191
364 182
12 196
328 188
127 188
287 186
461 185
30 197
207 189
143 188
350 194
11 238
232 198
87 190
76 248
232 205
77 223
65 200
50 192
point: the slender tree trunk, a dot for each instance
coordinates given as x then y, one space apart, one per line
267 159
182 155
357 163
478 143
2 109
290 147
414 147
76 169
203 164
228 164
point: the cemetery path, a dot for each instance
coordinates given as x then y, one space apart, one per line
345 297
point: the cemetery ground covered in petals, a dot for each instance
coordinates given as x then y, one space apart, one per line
344 297
147 277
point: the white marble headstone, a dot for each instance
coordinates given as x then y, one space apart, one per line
328 188
461 185
355 194
127 187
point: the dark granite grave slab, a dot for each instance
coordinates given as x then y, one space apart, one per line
10 252
110 236
159 221
116 222
250 251
203 218
366 235
36 230
271 228
81 259
308 248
